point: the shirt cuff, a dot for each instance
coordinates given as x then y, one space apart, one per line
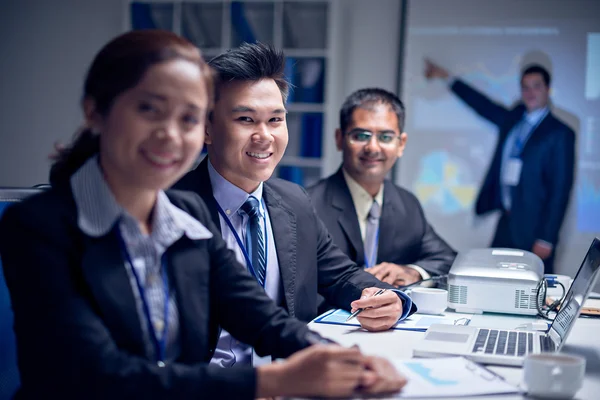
406 304
424 275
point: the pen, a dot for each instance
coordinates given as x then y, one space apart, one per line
355 313
472 366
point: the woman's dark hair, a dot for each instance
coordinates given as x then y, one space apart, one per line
118 67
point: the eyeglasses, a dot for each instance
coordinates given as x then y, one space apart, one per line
359 136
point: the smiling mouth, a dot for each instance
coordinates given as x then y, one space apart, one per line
260 156
160 160
370 160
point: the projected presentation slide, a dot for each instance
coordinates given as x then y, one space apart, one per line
487 44
592 76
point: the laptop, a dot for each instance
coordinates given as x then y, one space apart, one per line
509 347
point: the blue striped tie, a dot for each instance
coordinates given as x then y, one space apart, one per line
255 242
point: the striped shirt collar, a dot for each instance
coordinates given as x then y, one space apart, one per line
98 210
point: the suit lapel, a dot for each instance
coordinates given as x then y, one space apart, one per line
203 186
515 118
283 225
341 199
393 210
104 270
189 275
537 134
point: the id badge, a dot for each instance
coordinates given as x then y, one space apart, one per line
512 172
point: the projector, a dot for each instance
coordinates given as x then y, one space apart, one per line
494 280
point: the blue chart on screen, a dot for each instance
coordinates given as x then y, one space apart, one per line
445 183
425 373
588 207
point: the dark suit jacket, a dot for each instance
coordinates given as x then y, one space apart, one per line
78 331
309 262
405 236
540 199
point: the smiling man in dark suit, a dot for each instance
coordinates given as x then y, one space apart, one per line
530 178
269 223
377 223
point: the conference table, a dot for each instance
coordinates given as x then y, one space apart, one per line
583 340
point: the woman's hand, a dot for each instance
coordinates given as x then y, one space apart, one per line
328 371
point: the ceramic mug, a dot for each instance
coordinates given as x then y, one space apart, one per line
429 300
553 375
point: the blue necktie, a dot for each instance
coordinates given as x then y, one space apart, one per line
255 241
521 137
520 134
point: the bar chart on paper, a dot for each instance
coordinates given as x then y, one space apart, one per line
452 376
427 375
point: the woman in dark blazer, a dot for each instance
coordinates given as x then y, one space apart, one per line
118 288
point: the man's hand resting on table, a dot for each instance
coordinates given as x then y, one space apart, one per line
394 274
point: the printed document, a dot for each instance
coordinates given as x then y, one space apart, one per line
449 377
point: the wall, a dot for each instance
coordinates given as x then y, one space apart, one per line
367 33
46 47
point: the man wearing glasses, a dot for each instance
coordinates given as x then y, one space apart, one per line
377 223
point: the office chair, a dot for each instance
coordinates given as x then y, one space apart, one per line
9 373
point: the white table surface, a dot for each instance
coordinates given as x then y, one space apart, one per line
583 340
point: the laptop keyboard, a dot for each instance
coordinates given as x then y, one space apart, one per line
509 343
546 344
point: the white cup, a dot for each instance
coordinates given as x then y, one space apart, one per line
429 300
553 375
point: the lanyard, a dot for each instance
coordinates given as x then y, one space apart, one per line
370 263
241 244
159 344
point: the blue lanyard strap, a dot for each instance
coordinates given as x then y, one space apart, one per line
241 244
160 344
371 263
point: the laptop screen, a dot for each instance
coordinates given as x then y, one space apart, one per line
577 294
